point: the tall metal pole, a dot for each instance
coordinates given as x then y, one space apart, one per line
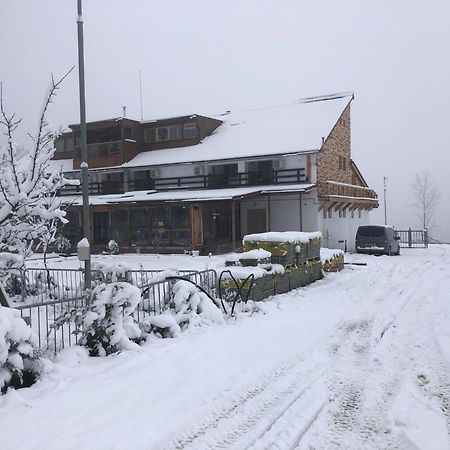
385 208
84 154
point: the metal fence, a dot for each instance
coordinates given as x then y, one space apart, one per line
45 295
413 238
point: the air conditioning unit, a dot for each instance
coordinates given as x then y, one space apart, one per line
199 170
154 173
278 164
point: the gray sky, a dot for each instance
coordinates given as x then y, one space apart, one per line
208 56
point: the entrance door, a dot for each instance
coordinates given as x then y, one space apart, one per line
256 221
100 220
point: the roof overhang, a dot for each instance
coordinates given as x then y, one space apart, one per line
189 196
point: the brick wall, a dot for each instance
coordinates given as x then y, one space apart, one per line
334 158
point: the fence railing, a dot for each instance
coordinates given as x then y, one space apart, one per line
413 238
44 295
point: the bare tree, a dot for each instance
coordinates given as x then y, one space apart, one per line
29 208
427 195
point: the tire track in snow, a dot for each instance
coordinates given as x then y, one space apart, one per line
244 413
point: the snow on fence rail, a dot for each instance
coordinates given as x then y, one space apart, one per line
40 308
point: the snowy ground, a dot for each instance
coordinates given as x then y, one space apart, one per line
359 360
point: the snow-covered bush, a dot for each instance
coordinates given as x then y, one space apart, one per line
19 360
10 276
113 247
110 272
193 307
106 325
63 244
188 307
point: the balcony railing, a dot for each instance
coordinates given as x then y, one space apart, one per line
327 188
210 181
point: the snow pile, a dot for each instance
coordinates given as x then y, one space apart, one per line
283 236
240 273
107 324
255 254
19 364
328 254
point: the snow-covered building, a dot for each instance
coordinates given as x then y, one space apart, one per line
196 182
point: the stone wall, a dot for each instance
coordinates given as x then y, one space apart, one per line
334 158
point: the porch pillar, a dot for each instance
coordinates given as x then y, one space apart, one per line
233 224
126 177
300 211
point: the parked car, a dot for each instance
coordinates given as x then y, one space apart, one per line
377 239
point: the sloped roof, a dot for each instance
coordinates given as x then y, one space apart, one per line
293 128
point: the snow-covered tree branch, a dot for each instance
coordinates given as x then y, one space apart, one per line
29 208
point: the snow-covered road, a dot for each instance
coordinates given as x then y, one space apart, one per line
358 360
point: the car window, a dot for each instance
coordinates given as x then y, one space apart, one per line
371 231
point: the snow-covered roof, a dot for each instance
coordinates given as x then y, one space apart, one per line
286 129
186 195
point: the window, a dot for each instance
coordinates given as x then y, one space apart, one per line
119 225
92 151
170 133
59 145
344 163
149 135
114 149
140 226
160 216
189 130
102 150
340 162
180 217
127 133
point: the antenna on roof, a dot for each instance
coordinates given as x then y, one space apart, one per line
140 93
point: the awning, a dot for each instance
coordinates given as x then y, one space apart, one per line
202 195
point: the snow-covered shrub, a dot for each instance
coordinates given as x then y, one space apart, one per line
19 360
106 325
113 247
110 272
188 307
10 276
63 244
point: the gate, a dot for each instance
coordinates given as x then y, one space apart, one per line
413 238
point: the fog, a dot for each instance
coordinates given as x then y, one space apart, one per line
206 57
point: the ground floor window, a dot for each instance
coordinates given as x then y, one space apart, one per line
153 226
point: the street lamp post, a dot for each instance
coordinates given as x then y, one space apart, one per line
385 207
83 141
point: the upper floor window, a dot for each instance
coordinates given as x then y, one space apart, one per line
170 133
127 133
189 130
64 144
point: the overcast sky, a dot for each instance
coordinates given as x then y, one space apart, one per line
209 56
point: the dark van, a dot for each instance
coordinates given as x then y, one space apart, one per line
377 239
